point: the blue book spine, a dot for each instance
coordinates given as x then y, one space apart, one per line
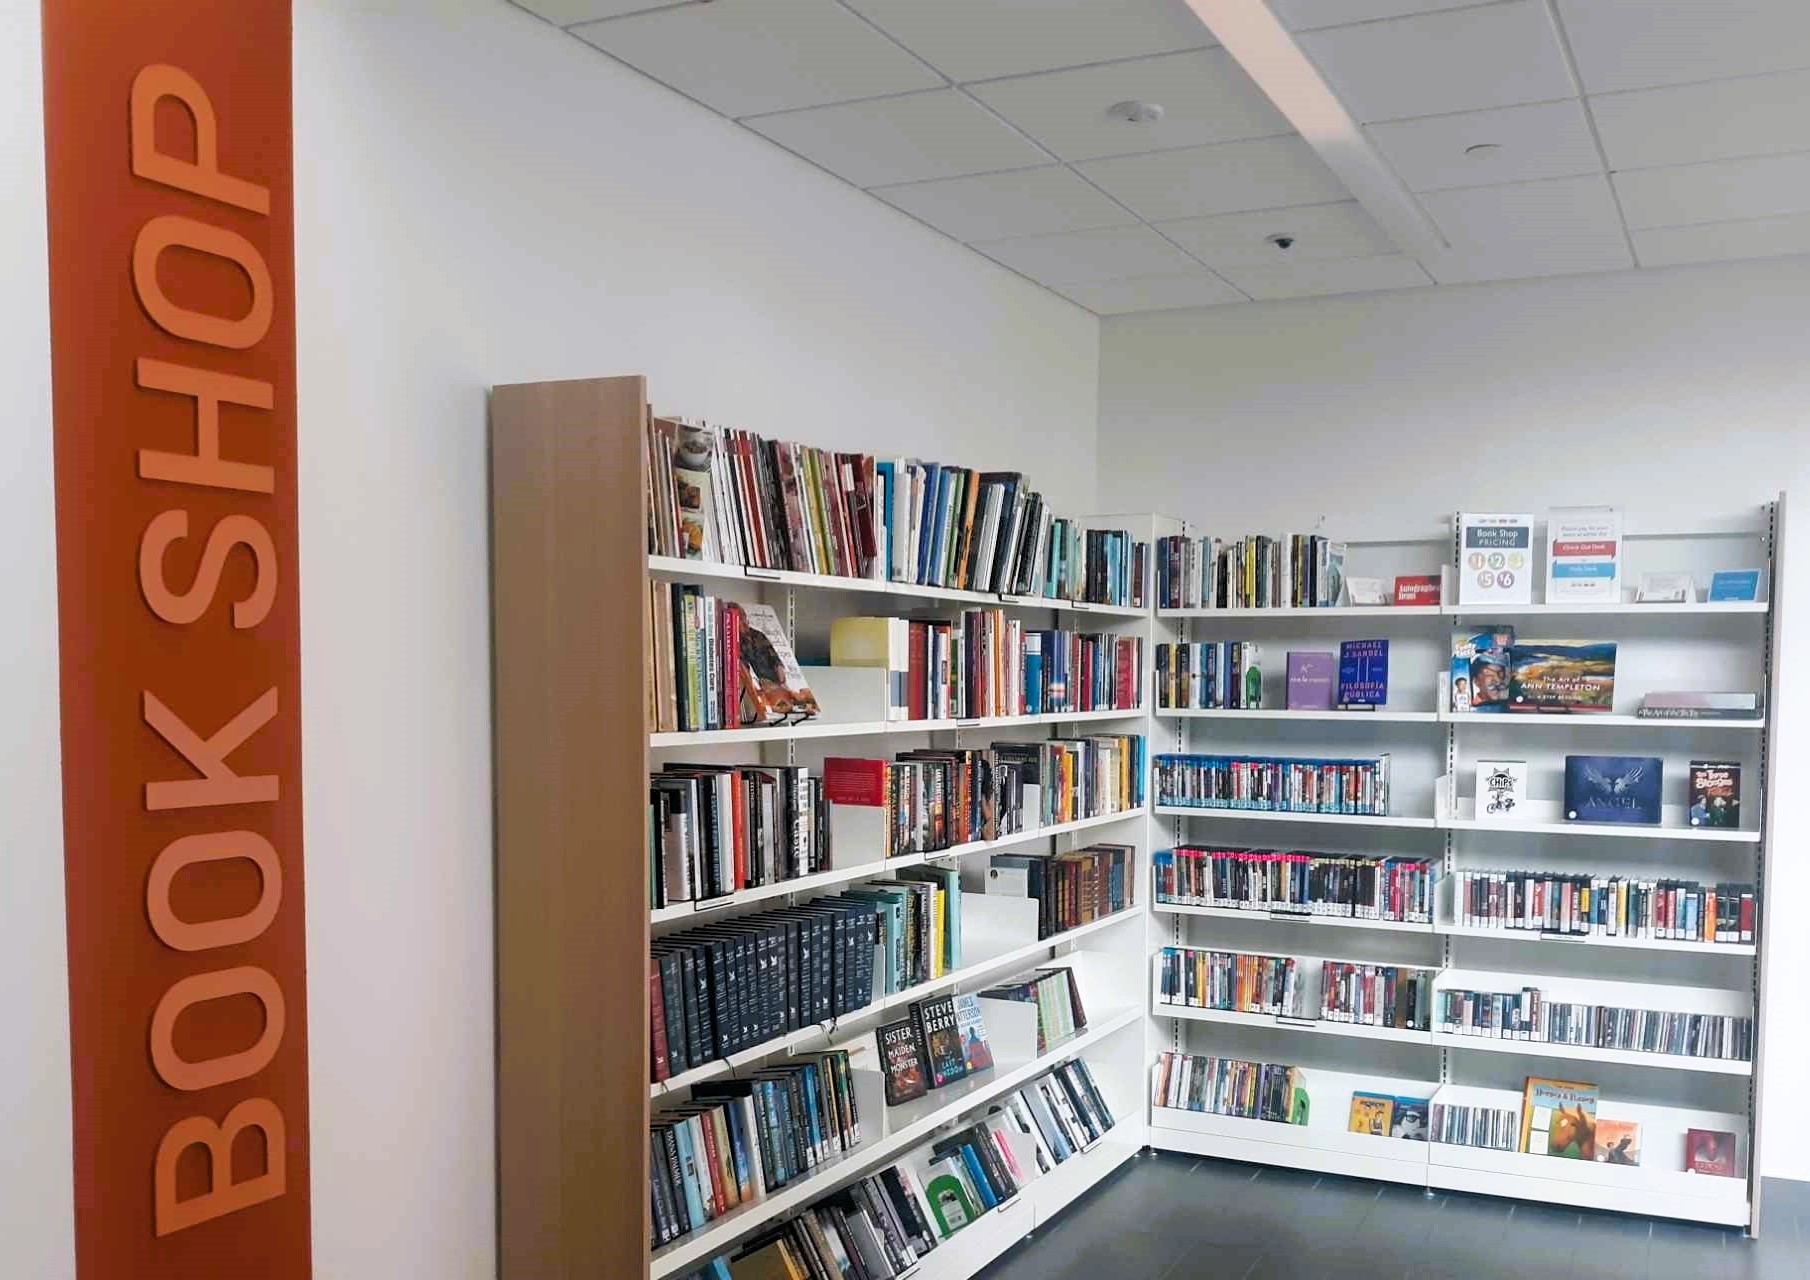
981 1186
739 1138
884 479
688 1173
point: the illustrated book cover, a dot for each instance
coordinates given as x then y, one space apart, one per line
1583 555
1480 663
1501 790
942 1039
1310 681
1715 793
1558 1118
1621 789
1710 1151
977 1054
1618 1142
1562 676
771 679
902 1059
1371 1113
1363 673
1495 559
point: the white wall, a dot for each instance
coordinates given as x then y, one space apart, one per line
36 1206
482 199
1655 391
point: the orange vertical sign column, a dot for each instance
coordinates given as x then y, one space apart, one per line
168 154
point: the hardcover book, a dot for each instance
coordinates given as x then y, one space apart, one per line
1558 1118
1310 677
902 1059
1562 675
1618 1142
1480 669
774 685
1501 790
1495 559
942 1041
1710 1151
1363 673
1371 1113
950 1202
977 1054
1621 789
1583 554
1715 793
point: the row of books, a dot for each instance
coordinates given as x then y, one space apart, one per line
944 1039
1072 888
1353 886
716 664
1297 571
739 1140
734 497
1387 1115
1606 906
1231 1087
1529 1015
1559 1118
719 989
1275 784
1494 1128
1209 675
985 662
918 925
886 1223
1372 995
716 829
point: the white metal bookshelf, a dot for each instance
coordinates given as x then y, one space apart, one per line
1699 645
1106 953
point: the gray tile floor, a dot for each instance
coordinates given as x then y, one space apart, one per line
1171 1217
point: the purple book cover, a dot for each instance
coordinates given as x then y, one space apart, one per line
1310 681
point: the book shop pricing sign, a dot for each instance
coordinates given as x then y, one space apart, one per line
168 165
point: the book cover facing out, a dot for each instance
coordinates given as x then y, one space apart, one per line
1558 1118
1562 676
1618 1142
1480 668
903 1062
1501 790
1622 789
1363 673
942 1041
1715 793
1495 559
977 1054
1710 1151
1310 677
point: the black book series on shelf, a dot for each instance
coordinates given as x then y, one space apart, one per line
1353 886
1529 1015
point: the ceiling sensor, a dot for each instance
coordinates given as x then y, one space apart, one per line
1135 112
1281 241
1483 149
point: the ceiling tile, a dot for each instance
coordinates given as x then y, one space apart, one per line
747 56
1753 116
1195 288
1084 257
1320 231
1636 44
910 139
1724 241
568 12
992 206
1206 97
979 39
1464 60
1544 140
1559 227
1718 191
1311 279
1304 15
1233 176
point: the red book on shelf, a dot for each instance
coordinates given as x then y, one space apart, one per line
656 1003
1417 589
917 673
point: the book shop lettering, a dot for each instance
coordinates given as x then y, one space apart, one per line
221 791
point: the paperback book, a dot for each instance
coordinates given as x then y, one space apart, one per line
1310 681
1558 1118
903 1061
977 1054
1618 1142
1480 669
1561 676
774 685
1710 1151
1623 789
944 1063
1363 673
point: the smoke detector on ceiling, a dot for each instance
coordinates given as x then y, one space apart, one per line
1134 112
